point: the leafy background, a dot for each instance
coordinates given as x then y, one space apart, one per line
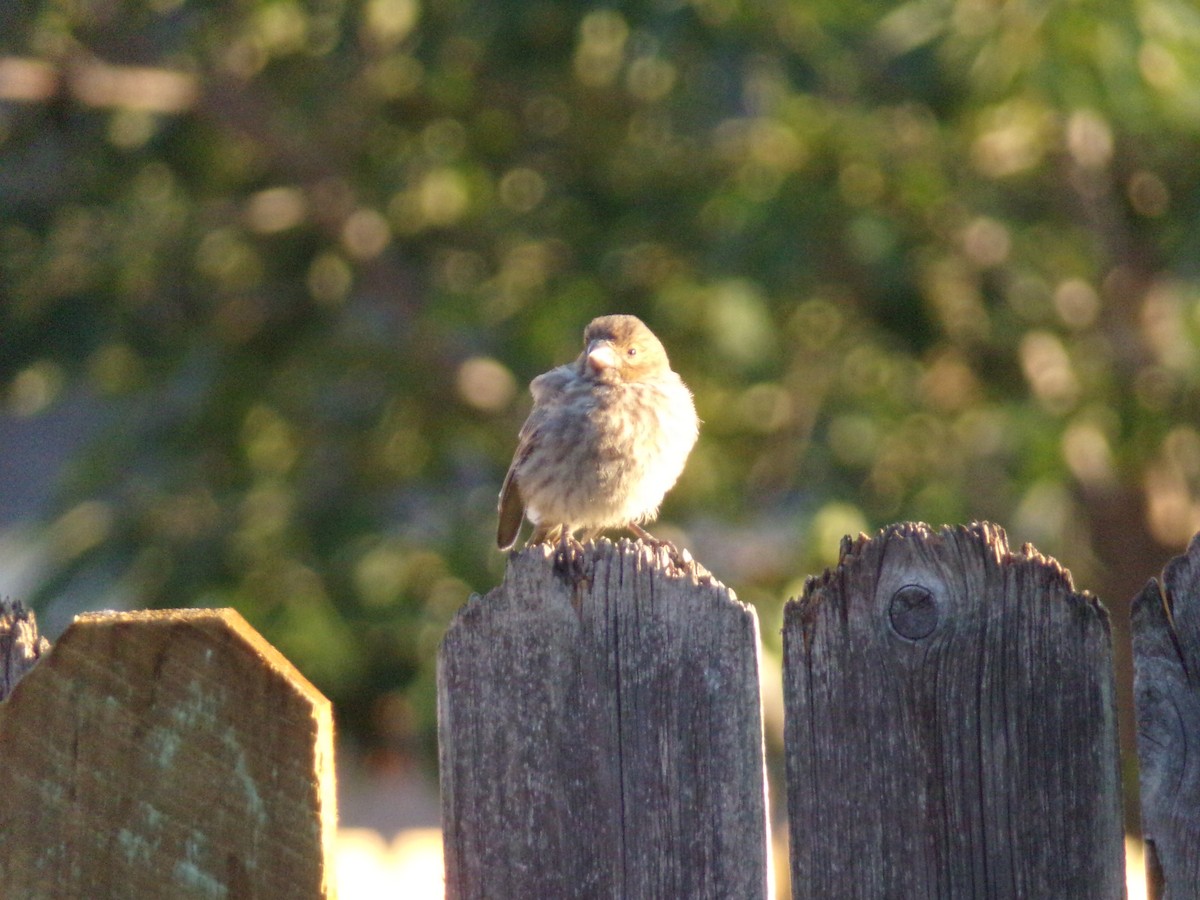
274 274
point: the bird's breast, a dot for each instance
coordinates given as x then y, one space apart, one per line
609 453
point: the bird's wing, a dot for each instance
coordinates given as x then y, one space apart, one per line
549 386
511 509
546 390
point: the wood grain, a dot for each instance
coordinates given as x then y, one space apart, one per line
601 734
950 724
1166 687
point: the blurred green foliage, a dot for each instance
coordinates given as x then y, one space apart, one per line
933 260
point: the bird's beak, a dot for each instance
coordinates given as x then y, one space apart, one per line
601 355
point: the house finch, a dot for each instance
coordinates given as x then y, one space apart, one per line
606 439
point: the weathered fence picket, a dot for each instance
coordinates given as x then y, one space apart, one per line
165 754
950 725
1166 685
601 734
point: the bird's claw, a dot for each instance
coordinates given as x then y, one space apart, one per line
568 558
680 559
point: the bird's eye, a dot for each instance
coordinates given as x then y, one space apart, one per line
631 352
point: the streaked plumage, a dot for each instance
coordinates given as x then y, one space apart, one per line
608 436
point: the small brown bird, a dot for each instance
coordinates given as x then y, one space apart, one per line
607 438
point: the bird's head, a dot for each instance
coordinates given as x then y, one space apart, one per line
621 349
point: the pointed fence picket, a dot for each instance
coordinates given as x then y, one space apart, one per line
162 754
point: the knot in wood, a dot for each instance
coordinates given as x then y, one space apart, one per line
913 612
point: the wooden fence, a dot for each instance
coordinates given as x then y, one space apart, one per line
950 731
